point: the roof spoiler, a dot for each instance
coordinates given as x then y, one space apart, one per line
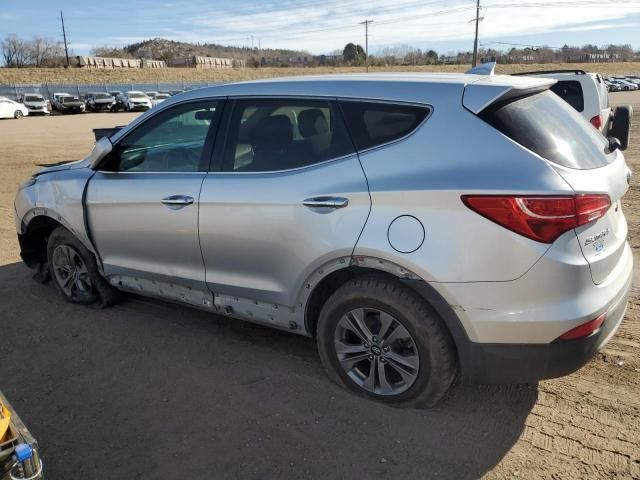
485 91
488 68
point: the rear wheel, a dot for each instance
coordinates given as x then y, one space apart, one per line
18 114
381 340
75 272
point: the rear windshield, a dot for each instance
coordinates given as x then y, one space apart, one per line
548 126
571 92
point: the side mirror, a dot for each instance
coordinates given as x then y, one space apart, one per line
101 149
614 144
621 125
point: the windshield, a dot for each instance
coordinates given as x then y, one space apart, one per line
33 98
69 99
101 95
548 126
136 95
162 96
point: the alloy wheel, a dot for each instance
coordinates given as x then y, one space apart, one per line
376 351
70 271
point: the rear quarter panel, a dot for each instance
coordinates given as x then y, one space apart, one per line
451 154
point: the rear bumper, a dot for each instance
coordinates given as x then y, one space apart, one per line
528 363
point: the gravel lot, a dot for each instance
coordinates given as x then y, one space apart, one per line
153 390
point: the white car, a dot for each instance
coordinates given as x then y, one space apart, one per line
625 84
35 103
586 92
160 97
135 100
11 109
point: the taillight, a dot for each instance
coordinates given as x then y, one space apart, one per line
540 218
596 121
585 330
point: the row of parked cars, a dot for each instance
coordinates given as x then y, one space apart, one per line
114 101
620 84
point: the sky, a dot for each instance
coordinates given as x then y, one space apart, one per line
322 26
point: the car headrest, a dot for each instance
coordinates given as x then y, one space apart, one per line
312 122
274 131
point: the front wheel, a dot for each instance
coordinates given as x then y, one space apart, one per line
75 272
18 114
380 339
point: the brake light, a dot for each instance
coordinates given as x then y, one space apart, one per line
596 121
540 218
584 330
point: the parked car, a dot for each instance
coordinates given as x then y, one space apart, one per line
344 207
586 92
35 103
67 103
99 101
625 84
134 100
634 80
119 101
159 98
11 109
611 86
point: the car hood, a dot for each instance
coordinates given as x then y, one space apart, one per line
70 165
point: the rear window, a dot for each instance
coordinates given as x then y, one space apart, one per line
546 125
571 92
372 124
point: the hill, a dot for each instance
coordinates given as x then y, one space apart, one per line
163 49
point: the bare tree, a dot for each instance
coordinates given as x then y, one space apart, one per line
43 51
15 51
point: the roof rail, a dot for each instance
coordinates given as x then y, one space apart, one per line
571 70
483 69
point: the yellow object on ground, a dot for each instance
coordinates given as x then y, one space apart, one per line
5 419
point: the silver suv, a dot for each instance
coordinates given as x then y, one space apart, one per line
419 226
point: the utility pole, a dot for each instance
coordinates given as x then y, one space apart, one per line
475 41
366 42
64 35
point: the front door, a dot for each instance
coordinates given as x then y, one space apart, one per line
143 204
291 196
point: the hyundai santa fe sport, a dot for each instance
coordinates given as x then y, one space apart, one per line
419 226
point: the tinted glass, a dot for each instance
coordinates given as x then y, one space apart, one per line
571 92
172 141
280 134
372 124
548 126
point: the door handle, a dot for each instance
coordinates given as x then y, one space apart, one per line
177 200
326 202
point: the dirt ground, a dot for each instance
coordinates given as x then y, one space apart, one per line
153 390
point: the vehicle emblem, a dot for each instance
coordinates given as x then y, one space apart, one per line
596 237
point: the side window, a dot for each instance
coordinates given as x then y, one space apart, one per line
571 92
373 124
172 141
280 134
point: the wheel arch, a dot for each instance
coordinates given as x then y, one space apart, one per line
320 291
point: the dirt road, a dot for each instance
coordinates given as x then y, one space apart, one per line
153 390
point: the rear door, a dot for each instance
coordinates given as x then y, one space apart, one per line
289 196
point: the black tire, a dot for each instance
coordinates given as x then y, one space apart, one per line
93 289
435 347
18 115
621 125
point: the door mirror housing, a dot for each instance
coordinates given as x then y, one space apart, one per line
101 149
